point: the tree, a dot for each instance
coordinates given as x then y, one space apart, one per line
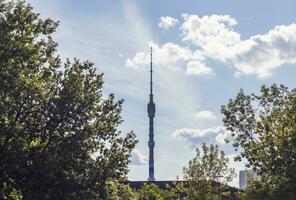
264 128
120 191
53 117
150 192
256 190
206 175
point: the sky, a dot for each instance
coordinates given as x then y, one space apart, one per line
204 51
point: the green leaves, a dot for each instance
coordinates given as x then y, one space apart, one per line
264 127
207 174
53 118
209 164
150 192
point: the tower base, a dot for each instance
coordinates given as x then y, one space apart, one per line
151 179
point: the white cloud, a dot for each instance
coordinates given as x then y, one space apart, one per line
213 34
198 68
214 38
221 137
205 114
138 158
262 54
167 22
167 55
139 59
258 55
196 136
172 56
188 133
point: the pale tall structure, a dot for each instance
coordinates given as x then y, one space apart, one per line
151 115
245 176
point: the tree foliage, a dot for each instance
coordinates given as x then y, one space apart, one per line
256 190
120 191
264 127
209 164
206 176
53 117
151 192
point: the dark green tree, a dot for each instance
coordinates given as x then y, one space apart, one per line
53 117
256 190
264 128
206 176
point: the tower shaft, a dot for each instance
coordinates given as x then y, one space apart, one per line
151 114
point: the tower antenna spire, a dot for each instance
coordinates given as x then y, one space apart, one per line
151 81
151 114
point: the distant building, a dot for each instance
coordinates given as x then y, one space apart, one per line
244 176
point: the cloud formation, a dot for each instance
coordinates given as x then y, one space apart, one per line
205 114
167 22
197 136
258 55
198 68
172 56
213 34
262 54
213 37
223 136
167 55
138 158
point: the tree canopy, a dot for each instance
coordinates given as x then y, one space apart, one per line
206 175
264 129
53 116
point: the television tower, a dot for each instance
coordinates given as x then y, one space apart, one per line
151 114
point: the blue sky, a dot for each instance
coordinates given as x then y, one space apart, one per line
205 51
